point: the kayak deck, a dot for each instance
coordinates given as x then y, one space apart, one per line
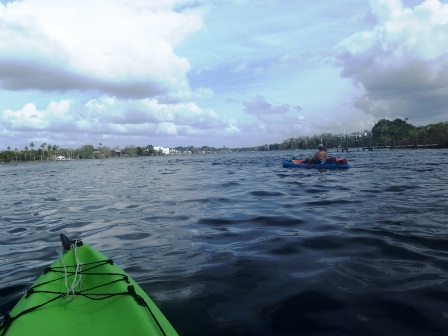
85 293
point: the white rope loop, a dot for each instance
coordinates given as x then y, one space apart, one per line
77 277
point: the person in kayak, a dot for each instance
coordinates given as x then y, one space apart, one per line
320 156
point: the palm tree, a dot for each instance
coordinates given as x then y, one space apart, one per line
26 151
31 145
42 147
55 149
49 147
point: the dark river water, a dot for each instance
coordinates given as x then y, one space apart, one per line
235 244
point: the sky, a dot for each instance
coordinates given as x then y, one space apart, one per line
221 73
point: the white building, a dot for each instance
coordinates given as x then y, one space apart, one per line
164 150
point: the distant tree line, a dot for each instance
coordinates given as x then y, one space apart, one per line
384 133
47 152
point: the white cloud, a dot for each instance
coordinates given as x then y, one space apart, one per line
124 48
402 63
31 118
279 121
105 116
259 106
232 127
167 128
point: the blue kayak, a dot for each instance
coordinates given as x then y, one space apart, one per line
330 164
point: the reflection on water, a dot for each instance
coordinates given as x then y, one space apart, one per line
238 245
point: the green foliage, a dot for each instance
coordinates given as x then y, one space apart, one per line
399 131
130 151
384 132
149 150
86 152
7 156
